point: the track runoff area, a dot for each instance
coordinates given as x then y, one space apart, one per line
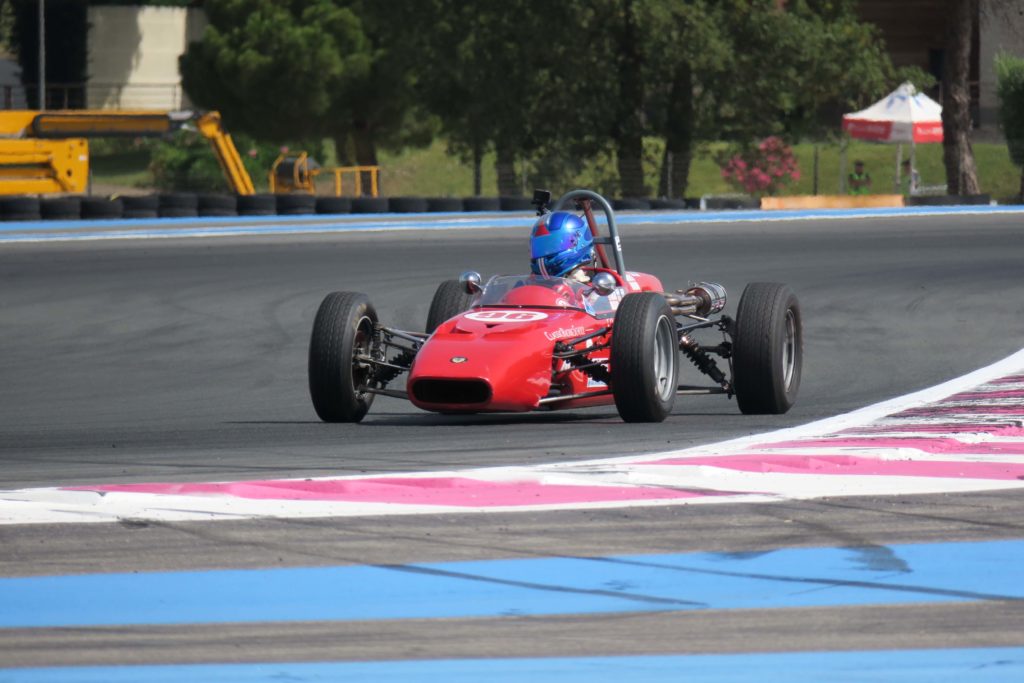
965 435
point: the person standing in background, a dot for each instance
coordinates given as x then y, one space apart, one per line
911 178
859 180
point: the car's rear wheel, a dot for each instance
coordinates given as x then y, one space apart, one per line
768 351
644 358
449 300
342 331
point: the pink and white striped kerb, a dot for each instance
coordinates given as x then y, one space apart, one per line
964 435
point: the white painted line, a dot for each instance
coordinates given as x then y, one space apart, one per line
761 467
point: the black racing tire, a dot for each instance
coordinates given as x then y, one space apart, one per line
295 204
516 203
218 205
19 209
334 205
257 205
178 205
668 204
767 353
481 204
444 205
60 208
449 300
407 205
140 206
629 204
369 205
644 358
98 208
177 200
343 327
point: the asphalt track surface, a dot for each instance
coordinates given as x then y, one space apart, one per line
182 360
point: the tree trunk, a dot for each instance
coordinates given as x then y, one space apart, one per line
957 154
1020 196
342 151
505 165
628 135
678 137
366 154
478 155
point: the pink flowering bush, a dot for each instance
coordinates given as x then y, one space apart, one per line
764 169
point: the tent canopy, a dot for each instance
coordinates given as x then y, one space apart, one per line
904 115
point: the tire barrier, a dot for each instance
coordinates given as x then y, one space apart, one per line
481 204
333 205
631 204
218 205
407 205
189 205
145 206
19 209
949 200
100 208
178 205
445 205
515 203
370 205
257 205
295 204
60 208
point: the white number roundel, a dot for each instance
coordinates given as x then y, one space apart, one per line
500 316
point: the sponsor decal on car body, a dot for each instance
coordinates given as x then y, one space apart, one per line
564 333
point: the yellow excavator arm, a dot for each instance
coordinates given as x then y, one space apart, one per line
46 151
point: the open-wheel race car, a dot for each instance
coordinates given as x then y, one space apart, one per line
578 331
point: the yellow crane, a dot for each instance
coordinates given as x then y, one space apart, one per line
44 152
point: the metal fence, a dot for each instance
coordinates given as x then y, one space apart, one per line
95 96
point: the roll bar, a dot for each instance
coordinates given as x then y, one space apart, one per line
581 197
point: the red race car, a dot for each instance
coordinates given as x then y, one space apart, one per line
578 331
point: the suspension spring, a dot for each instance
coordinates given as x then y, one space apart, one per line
385 374
596 371
703 362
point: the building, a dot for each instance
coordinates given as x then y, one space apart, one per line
133 56
915 33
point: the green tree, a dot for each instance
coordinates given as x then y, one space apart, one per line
1010 90
302 69
492 72
741 70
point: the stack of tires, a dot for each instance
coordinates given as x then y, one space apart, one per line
206 205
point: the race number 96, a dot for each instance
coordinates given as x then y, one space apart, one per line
501 316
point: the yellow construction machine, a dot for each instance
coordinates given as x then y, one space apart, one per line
44 152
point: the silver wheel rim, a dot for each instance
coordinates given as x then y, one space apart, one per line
789 350
664 359
361 347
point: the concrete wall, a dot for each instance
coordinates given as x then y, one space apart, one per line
1001 30
133 56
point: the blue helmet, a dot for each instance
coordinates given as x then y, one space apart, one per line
559 242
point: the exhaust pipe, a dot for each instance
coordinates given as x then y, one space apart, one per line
703 299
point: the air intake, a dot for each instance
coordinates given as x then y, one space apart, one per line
452 391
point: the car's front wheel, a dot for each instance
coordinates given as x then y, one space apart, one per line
342 332
768 349
644 358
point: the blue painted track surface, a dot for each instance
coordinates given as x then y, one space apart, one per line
981 665
796 577
157 228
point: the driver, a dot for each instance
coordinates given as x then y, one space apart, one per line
560 244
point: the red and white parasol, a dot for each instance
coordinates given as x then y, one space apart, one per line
904 115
